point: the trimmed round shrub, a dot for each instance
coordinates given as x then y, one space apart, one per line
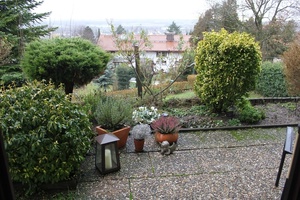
46 136
227 66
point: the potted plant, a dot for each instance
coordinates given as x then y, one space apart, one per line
113 115
139 133
145 115
166 128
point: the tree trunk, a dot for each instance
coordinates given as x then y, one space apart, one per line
138 71
69 87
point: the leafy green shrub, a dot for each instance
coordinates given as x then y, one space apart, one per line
113 112
46 136
249 114
145 115
227 66
271 81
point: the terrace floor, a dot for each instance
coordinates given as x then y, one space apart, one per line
235 164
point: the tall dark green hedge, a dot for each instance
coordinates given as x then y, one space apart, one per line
271 81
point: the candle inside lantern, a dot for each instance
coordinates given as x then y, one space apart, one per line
108 161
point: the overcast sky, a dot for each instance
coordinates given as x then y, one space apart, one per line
123 9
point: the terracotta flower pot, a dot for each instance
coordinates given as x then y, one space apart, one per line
139 144
171 138
122 134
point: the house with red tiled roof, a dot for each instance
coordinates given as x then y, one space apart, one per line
165 50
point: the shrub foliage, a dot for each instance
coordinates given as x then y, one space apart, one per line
227 66
271 80
249 114
71 61
124 73
45 135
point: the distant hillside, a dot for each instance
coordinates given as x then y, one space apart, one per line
68 27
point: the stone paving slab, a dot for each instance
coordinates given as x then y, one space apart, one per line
206 165
227 185
104 189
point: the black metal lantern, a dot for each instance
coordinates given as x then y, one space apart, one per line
107 157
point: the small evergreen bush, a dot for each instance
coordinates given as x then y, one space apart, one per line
124 74
249 114
46 136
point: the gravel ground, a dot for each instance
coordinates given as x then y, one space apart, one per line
238 164
233 164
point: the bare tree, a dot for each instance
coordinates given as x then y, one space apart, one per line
265 16
130 47
269 10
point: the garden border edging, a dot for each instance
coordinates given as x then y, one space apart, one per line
236 127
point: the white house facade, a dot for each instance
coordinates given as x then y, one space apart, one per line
165 51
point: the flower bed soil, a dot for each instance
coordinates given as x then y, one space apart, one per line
276 113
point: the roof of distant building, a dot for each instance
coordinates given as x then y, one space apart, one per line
160 43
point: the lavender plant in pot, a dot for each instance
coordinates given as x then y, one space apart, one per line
166 129
139 133
113 115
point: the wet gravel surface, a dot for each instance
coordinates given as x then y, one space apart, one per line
236 164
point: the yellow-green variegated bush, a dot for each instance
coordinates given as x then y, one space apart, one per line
227 65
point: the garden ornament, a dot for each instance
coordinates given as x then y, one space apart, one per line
166 148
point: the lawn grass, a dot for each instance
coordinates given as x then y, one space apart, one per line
191 94
185 95
84 90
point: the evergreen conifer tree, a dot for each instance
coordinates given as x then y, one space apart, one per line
20 25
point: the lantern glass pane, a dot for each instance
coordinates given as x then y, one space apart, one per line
98 156
110 156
